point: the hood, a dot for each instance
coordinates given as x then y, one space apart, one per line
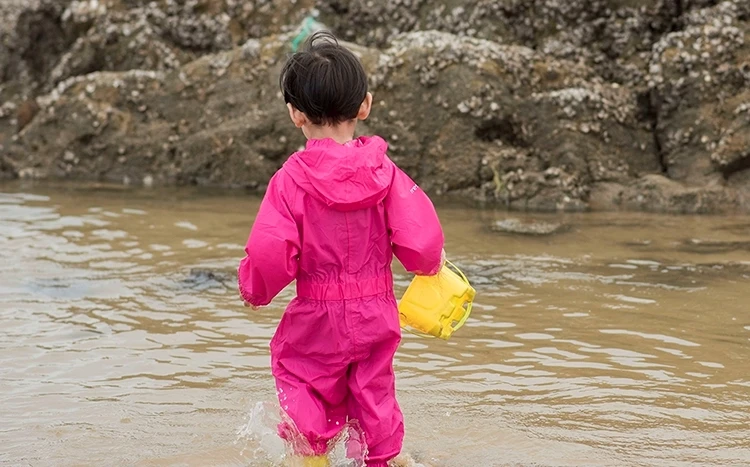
345 177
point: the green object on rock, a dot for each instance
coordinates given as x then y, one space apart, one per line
309 26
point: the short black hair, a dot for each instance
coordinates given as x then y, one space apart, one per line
324 80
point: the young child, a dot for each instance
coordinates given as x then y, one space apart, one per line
332 218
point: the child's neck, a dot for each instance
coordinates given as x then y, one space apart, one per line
341 133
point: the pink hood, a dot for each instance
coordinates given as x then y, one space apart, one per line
345 177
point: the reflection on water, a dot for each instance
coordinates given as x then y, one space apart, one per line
623 341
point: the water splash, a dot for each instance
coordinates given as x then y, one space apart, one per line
348 449
260 433
260 430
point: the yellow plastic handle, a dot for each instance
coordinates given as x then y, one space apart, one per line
414 332
463 320
458 271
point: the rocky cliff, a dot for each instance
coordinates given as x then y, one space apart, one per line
530 104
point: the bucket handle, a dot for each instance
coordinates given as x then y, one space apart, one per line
414 332
460 324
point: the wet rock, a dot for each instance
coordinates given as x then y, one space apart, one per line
533 105
204 278
614 37
65 38
118 42
533 228
208 123
657 193
32 38
510 125
375 23
698 79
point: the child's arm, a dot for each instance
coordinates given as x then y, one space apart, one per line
414 227
272 250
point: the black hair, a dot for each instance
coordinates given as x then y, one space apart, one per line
325 81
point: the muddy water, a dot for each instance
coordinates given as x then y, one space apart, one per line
623 341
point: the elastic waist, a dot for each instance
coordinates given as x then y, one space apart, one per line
345 290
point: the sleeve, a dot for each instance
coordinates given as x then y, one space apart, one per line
414 227
272 250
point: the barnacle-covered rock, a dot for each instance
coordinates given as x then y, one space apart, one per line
533 104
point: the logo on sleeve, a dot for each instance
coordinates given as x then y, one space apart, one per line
414 189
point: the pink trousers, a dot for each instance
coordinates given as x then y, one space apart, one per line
333 362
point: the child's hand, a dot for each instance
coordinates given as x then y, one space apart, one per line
251 306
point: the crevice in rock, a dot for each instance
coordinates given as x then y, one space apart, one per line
86 139
649 114
679 8
660 153
7 169
673 11
500 129
338 7
668 18
736 166
42 39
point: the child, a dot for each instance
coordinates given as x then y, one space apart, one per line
332 218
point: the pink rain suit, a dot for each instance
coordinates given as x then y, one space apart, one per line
332 218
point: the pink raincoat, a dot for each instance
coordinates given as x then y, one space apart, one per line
332 219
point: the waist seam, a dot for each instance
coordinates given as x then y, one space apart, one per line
333 291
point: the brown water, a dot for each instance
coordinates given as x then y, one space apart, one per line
623 341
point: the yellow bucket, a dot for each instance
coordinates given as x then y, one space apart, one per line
437 305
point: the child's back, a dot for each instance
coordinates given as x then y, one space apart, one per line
332 218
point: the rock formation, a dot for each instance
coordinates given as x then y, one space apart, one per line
533 104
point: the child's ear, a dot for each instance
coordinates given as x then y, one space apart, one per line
365 107
298 118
